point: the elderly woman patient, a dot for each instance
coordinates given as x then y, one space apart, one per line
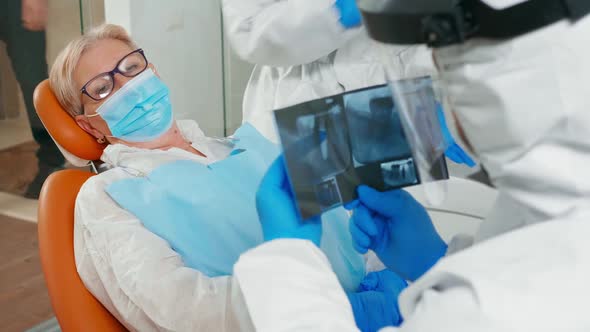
157 234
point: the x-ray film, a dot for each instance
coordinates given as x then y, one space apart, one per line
334 144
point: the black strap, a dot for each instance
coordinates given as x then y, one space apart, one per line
397 24
523 18
578 8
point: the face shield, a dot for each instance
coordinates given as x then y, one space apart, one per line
419 103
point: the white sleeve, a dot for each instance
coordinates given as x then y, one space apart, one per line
288 285
452 310
141 280
284 32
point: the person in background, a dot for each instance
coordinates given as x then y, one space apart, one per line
22 28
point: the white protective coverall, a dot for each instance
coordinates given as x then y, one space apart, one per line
302 52
523 104
134 273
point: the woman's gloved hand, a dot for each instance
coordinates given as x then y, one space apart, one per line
350 15
453 151
398 229
375 304
277 210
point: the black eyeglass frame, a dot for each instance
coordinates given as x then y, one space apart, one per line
113 72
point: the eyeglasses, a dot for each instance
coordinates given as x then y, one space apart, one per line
101 86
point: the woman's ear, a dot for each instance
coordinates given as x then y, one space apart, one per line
152 67
82 122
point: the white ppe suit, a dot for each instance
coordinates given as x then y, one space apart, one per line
302 52
523 104
134 273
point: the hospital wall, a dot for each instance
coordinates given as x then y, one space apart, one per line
185 41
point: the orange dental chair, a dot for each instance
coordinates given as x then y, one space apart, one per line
74 306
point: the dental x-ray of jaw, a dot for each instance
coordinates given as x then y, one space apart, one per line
334 144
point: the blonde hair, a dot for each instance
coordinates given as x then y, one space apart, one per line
61 77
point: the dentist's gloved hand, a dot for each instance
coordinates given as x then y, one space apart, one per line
398 229
350 15
453 151
277 210
375 304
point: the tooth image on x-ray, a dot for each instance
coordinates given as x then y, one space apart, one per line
399 173
376 132
328 152
328 194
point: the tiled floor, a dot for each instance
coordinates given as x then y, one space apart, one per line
24 301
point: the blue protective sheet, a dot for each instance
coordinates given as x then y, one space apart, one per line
207 213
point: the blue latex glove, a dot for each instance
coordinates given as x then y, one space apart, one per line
453 151
375 304
398 229
350 15
277 210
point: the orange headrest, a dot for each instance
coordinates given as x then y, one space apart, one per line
62 127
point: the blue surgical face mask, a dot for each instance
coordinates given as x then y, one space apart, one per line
140 110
